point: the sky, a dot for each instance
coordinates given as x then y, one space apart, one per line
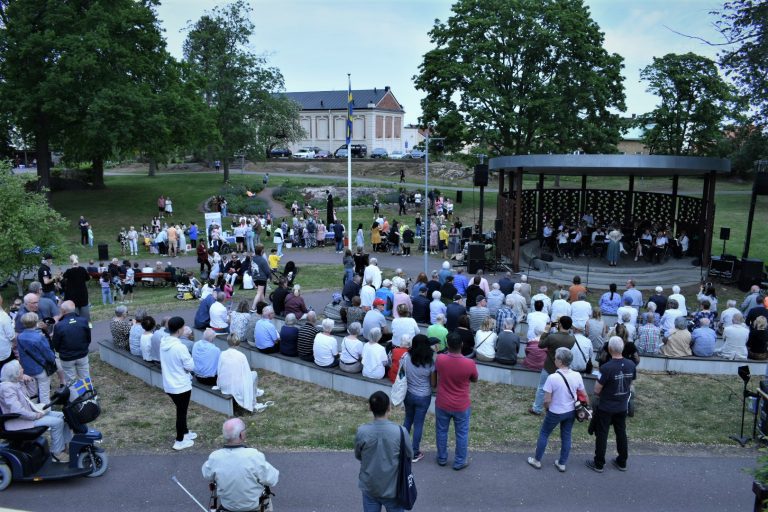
315 43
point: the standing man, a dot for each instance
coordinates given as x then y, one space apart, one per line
551 342
402 175
193 235
46 278
329 209
83 225
634 294
240 473
71 339
377 447
453 373
338 235
613 388
7 336
265 181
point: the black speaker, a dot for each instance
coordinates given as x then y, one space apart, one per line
476 252
545 256
725 233
751 273
459 196
474 265
761 184
498 225
481 175
103 252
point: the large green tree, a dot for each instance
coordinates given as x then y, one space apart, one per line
28 227
744 25
694 102
236 83
526 76
278 125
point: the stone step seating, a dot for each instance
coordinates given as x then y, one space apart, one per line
150 374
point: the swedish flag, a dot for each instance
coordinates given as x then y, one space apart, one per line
350 111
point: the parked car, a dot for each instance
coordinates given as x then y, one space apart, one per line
379 153
323 154
358 150
399 155
280 153
417 153
304 153
341 153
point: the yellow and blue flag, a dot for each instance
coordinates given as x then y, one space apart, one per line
350 111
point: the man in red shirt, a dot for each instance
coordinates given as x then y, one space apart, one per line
453 373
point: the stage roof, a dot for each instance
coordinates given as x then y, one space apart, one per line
613 165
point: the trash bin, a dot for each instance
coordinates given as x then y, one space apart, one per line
103 252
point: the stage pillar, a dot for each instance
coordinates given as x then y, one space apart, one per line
630 202
675 183
709 212
517 189
583 199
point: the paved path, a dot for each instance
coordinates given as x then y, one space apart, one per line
326 481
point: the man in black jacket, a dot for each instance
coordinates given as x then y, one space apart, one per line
277 297
71 339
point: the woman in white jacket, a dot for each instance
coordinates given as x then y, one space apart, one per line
177 366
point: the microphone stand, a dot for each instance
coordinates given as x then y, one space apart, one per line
741 438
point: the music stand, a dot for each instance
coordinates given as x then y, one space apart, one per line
745 376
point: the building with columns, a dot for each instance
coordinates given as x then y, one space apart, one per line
377 119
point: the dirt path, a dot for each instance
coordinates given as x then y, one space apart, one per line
278 210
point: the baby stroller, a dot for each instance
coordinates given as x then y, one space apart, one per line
288 273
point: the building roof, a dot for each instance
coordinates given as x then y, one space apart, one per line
383 99
613 165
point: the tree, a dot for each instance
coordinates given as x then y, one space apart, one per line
694 102
277 125
28 227
525 76
744 25
235 83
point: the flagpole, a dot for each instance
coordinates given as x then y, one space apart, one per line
349 173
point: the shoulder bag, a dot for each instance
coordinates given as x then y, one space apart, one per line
406 484
583 412
588 369
48 366
400 386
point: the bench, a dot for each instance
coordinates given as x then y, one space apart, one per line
150 373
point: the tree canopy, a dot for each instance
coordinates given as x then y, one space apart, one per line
525 76
694 102
236 84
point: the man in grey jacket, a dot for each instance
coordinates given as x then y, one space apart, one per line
377 447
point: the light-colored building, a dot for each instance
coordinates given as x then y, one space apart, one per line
377 119
412 135
631 142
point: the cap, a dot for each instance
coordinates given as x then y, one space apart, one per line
479 299
379 302
336 297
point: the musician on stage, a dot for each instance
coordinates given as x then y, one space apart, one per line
563 243
680 244
644 242
659 247
598 242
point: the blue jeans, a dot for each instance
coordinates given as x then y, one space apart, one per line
339 244
371 504
106 296
416 408
461 428
538 402
349 273
280 249
551 420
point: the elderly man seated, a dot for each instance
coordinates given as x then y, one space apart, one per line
495 299
649 338
325 348
671 314
15 392
678 343
219 315
726 317
235 377
735 338
206 357
703 339
265 336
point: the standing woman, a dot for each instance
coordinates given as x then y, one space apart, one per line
177 366
454 239
202 257
614 246
419 367
349 265
375 236
75 289
277 239
360 241
560 390
433 234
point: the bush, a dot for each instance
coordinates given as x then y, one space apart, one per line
239 203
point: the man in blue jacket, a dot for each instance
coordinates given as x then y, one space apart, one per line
71 339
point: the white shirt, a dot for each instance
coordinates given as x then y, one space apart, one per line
543 298
632 311
585 344
241 474
367 296
581 311
680 303
374 273
562 402
374 359
401 326
146 347
485 343
560 307
536 319
351 350
726 317
7 334
667 322
324 348
734 342
218 314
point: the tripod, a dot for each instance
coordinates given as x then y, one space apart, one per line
744 374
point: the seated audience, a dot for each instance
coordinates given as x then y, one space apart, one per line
307 333
421 306
403 325
238 319
351 351
325 348
671 314
659 299
495 299
134 336
332 310
436 307
157 337
478 313
680 299
595 329
649 337
703 339
726 317
278 296
235 377
535 357
757 343
375 318
651 307
467 336
187 338
219 315
519 305
627 309
508 343
485 341
148 327
120 327
507 310
265 335
704 312
735 337
206 357
401 296
437 331
453 312
354 312
537 320
203 316
581 311
678 342
582 350
560 306
294 303
375 358
397 354
289 336
610 301
34 352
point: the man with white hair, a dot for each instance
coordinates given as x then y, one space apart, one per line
679 298
703 339
445 271
519 304
373 271
367 294
633 293
235 377
542 296
726 317
385 293
560 307
753 299
71 339
401 297
241 473
265 336
495 299
504 312
219 315
659 299
525 288
628 309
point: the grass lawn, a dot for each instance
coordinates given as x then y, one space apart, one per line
671 409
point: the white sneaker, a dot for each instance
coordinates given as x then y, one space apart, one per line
180 445
259 392
190 436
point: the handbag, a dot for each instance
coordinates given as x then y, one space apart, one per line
48 366
406 484
400 386
588 369
583 412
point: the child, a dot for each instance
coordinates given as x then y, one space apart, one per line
274 259
90 236
148 324
106 291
